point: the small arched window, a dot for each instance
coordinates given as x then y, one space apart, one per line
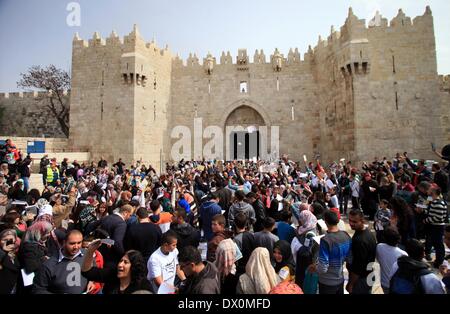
243 87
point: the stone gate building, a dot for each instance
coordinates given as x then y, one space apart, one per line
361 92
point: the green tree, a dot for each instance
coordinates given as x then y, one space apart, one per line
55 82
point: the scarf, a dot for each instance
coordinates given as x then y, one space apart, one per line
260 277
226 257
307 222
286 253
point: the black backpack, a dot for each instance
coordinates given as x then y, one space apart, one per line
304 257
407 283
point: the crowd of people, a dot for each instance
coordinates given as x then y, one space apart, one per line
215 227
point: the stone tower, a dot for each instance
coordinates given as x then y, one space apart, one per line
119 97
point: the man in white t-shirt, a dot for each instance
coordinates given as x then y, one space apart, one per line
387 255
163 263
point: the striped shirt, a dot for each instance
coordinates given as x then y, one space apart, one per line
334 250
436 212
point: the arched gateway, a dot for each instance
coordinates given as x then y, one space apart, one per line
241 124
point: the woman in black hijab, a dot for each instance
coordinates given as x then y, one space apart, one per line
284 262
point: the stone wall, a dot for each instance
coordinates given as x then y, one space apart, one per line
25 114
54 145
214 94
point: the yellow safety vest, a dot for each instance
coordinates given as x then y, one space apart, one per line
50 175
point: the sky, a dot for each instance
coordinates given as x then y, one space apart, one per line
36 32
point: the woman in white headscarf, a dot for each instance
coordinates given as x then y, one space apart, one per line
260 276
45 211
225 263
305 238
307 227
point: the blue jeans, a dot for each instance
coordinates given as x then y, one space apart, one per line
26 184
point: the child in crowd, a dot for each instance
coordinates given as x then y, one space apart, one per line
382 219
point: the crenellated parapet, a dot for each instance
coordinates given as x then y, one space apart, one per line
113 39
334 36
277 60
192 60
208 63
293 57
401 20
29 95
444 81
353 39
259 57
226 59
96 40
353 28
243 62
378 21
129 42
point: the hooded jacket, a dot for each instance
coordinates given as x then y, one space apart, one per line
407 268
205 282
243 207
186 235
208 210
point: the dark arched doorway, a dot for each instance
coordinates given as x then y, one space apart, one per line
244 141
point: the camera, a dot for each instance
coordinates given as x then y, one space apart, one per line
9 242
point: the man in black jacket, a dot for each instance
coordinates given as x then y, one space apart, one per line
201 278
441 179
344 193
24 170
225 196
363 253
115 225
102 163
119 165
260 212
144 236
370 197
186 234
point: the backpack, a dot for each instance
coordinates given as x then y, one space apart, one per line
304 257
310 283
402 283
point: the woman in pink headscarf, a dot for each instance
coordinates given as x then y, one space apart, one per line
307 222
305 234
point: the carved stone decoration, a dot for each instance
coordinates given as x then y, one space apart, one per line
208 64
277 61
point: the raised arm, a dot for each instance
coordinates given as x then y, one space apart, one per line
438 154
